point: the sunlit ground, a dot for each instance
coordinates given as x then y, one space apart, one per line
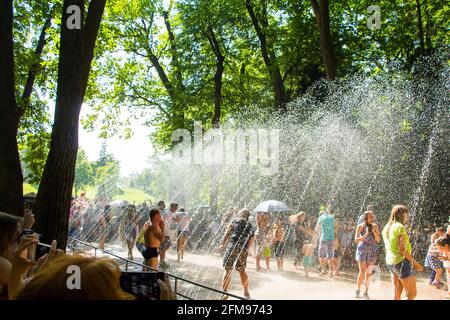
291 284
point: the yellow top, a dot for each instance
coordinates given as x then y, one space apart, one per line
391 243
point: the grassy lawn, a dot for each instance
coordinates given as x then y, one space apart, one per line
131 195
134 195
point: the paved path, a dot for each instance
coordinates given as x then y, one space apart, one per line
290 284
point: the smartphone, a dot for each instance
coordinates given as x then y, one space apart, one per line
42 249
31 252
143 285
28 202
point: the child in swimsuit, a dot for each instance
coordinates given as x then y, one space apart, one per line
278 235
308 249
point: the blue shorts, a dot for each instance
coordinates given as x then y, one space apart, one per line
402 270
326 249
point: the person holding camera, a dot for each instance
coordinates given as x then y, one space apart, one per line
11 228
367 237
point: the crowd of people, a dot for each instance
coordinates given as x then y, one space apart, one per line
335 241
324 244
331 241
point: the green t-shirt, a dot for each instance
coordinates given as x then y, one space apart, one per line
391 241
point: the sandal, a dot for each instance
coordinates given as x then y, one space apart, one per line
438 285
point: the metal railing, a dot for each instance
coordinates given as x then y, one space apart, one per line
176 278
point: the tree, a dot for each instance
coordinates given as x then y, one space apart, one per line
322 12
75 57
107 174
35 54
104 157
261 24
11 177
84 172
29 118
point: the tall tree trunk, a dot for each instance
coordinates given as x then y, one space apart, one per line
420 26
220 60
55 190
269 56
11 179
322 14
429 25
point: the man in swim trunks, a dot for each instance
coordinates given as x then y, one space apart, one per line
154 235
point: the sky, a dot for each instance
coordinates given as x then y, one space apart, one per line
132 153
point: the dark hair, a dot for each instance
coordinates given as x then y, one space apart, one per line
440 229
154 212
174 205
366 216
161 203
182 209
8 229
443 241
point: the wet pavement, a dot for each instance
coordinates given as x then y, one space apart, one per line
290 284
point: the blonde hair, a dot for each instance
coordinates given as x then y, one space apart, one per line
244 213
100 280
397 215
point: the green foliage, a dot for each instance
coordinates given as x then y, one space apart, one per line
28 188
107 175
34 128
168 81
84 172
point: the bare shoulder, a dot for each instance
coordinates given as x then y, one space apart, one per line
5 270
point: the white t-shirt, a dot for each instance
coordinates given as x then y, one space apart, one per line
167 217
183 224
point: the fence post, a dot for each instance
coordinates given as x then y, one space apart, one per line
175 286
